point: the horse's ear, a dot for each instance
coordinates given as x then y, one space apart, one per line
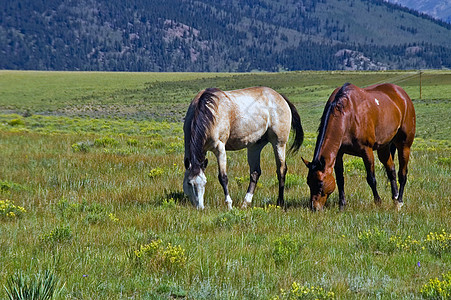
204 165
187 164
306 162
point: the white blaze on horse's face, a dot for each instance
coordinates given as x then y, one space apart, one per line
194 188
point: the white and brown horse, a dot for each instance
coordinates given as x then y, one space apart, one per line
231 120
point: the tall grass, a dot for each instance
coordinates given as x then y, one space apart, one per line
103 207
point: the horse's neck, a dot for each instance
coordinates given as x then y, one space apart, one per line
333 139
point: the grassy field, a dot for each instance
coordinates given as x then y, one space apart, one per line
91 170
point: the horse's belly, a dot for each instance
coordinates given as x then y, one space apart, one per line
237 142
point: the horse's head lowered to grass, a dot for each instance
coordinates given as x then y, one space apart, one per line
198 121
194 183
321 183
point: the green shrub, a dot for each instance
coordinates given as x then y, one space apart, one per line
43 286
59 234
444 161
105 141
301 292
230 218
168 203
9 210
16 122
171 291
132 142
376 240
285 248
438 243
158 257
406 244
82 146
156 172
6 187
437 289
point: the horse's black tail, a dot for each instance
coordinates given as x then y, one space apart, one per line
297 126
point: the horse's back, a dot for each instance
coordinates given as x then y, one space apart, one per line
245 116
255 96
395 93
403 103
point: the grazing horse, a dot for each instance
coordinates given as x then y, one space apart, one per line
357 121
249 118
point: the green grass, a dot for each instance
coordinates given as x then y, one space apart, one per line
97 191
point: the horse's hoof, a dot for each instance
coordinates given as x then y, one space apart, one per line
398 205
245 204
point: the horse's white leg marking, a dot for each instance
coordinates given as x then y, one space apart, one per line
229 202
247 200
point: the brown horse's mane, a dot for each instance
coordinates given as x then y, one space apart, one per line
329 109
201 123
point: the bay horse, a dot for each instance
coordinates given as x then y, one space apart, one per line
357 121
249 118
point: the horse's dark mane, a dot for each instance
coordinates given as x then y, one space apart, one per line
337 103
203 119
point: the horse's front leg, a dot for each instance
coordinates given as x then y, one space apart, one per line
340 180
221 156
253 159
368 160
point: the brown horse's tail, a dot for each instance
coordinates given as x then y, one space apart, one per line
297 126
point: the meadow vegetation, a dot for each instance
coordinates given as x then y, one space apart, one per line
92 207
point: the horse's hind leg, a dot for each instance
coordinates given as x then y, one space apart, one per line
403 157
279 152
253 158
368 160
386 157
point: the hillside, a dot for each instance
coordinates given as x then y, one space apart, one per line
219 35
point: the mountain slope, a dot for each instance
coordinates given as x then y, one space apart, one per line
219 35
439 9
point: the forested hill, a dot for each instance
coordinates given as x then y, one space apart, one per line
219 35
